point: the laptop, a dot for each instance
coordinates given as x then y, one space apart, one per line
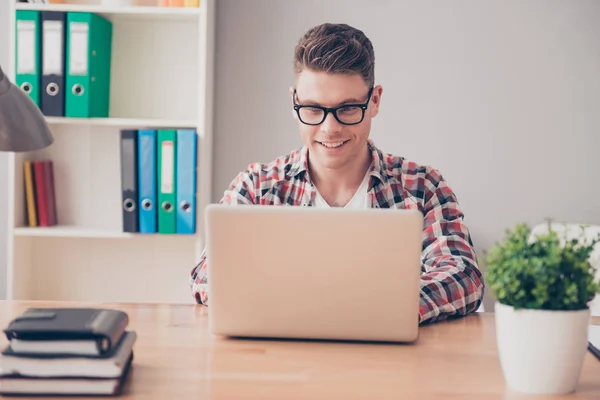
309 273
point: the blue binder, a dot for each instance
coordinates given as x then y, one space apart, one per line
147 180
186 181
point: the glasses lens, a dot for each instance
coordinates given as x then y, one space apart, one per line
350 115
310 115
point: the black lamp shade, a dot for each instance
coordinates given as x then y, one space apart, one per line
22 124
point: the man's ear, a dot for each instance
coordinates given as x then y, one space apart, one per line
294 115
376 100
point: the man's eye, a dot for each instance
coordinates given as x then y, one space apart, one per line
349 110
313 110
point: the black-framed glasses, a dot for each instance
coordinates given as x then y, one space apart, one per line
347 114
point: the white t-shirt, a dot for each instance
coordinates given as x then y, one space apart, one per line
358 201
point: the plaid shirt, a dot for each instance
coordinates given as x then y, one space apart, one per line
451 283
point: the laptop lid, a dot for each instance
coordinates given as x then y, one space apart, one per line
309 273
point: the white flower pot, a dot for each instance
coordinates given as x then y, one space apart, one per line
541 351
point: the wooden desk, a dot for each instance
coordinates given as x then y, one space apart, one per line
177 358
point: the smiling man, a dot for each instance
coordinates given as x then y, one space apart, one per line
334 99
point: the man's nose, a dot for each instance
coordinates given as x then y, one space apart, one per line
330 125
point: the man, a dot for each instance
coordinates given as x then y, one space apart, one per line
334 100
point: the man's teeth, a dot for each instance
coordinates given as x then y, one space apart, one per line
332 145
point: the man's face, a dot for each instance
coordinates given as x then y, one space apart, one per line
332 144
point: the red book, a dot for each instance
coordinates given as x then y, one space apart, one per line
50 194
41 198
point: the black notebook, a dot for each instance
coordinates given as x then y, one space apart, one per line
73 367
20 385
83 331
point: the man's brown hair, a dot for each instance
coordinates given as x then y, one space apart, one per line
338 49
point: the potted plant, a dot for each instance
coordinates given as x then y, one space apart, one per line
543 285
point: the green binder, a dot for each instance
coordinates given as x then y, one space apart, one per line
167 174
87 82
28 56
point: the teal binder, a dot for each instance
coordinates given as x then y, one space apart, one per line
89 50
28 54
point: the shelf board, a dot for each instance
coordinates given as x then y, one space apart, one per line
66 231
124 12
71 231
123 122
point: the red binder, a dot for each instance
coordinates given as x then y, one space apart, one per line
40 193
44 192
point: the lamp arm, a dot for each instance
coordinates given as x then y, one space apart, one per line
4 82
23 127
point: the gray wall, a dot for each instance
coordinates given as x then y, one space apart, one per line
501 96
3 156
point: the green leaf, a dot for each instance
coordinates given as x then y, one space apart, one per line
549 272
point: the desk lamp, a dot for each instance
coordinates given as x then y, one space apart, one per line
22 124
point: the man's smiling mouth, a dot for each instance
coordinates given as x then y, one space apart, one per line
333 145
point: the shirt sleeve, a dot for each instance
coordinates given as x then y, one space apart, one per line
451 282
241 191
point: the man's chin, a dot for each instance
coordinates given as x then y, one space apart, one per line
330 161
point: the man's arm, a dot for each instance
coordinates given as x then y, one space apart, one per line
240 191
451 282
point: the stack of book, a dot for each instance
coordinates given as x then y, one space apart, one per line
67 351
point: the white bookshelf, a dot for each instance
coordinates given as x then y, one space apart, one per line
161 77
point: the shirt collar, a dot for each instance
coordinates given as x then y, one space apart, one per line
299 162
376 170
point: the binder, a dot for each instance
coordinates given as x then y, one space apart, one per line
53 63
167 175
89 48
27 67
186 181
129 186
41 199
147 180
31 213
50 192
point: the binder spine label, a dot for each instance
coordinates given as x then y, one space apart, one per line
53 48
78 63
166 185
26 47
